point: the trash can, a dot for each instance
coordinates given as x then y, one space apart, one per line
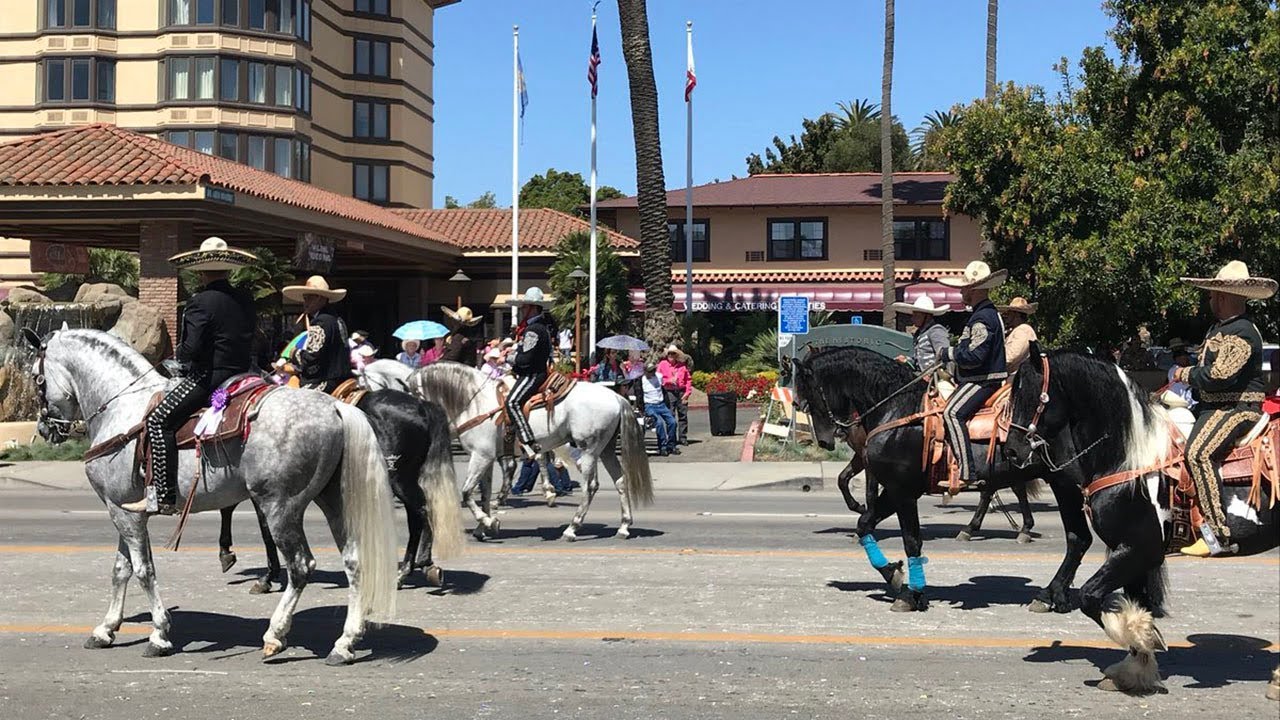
723 409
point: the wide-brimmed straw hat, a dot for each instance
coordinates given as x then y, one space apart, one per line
977 276
923 304
214 254
1234 279
1178 346
532 296
463 316
673 348
1019 305
315 285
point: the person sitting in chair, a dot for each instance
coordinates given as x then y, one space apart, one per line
979 359
322 361
531 365
217 343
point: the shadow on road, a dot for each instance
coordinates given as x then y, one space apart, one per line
980 592
1212 661
939 532
588 531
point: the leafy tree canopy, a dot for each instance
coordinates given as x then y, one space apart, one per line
563 191
110 266
573 251
485 201
848 141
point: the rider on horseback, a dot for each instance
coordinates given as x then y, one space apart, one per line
217 343
533 356
1228 383
323 361
979 359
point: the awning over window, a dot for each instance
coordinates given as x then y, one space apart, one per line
856 297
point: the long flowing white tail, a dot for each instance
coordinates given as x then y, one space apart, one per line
440 483
635 461
367 513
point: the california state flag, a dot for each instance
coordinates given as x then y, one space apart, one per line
690 78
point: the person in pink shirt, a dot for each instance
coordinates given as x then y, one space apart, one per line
677 386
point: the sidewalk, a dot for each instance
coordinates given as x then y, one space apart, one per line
666 476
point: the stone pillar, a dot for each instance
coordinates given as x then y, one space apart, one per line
158 280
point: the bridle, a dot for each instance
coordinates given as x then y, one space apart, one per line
62 426
857 417
1031 429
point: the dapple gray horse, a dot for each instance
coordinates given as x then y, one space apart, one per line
305 447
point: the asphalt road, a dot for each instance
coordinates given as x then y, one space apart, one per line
737 605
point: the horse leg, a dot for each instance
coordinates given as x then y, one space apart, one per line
1070 501
353 629
613 466
134 535
589 466
879 506
417 553
225 554
975 524
1028 521
548 486
911 598
263 584
286 526
1131 626
105 634
506 466
480 473
845 477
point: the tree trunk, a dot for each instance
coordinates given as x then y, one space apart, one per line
992 12
660 326
886 171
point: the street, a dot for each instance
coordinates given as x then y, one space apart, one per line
742 604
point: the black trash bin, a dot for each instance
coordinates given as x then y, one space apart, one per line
723 409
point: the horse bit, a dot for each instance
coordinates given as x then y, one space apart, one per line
1031 430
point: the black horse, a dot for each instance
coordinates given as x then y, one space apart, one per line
854 390
1100 409
414 437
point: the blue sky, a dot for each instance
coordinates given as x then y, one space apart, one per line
762 66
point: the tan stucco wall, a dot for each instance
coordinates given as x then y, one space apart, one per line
14 270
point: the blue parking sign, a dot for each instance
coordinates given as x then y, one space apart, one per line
793 315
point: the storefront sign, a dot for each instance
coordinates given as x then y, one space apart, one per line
746 305
889 343
59 258
314 254
219 195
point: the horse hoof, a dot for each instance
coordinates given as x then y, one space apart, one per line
154 651
271 649
228 560
623 534
964 536
435 576
551 501
910 601
569 535
1273 692
478 533
337 660
1039 606
261 587
1108 685
494 528
96 643
893 575
1024 538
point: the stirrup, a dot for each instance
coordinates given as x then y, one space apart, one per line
150 504
532 451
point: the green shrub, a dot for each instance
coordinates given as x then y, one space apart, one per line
700 379
70 450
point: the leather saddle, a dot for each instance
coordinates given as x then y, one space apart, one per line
990 425
551 391
349 392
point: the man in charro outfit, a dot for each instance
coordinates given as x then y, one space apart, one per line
460 347
531 364
323 361
978 357
218 325
1228 384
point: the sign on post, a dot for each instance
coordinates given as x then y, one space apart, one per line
793 315
59 258
314 253
855 320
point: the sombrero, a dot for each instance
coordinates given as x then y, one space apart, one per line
923 304
1019 305
1234 279
214 254
1178 346
315 285
463 316
532 296
977 276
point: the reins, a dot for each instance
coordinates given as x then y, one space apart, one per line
1038 443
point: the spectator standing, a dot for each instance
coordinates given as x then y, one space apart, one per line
434 353
677 386
411 354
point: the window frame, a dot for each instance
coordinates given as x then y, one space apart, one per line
240 143
373 105
372 10
68 63
371 167
920 241
797 239
272 73
678 245
289 18
375 42
95 11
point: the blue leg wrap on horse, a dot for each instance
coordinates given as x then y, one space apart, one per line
877 558
915 573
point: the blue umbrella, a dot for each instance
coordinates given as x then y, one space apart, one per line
421 330
623 342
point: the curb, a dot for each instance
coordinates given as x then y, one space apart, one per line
749 442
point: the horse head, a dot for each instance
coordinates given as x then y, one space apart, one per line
810 399
59 406
1032 416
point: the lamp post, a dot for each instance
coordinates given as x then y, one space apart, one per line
459 277
577 276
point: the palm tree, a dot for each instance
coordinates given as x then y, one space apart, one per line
855 112
886 169
660 326
993 7
925 139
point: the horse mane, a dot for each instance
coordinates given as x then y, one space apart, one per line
100 344
451 384
864 377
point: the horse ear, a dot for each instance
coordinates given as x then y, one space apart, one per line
31 337
65 327
786 365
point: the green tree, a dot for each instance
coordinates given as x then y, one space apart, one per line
926 139
109 266
856 112
833 143
485 202
263 280
612 294
563 191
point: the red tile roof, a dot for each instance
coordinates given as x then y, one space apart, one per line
804 276
909 188
490 229
101 154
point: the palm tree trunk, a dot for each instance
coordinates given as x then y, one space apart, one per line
992 12
886 170
660 327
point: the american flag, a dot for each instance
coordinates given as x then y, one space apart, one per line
593 62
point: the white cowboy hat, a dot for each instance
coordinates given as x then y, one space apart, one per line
923 304
977 276
1019 305
492 354
463 316
315 285
673 348
532 296
366 351
1234 279
214 254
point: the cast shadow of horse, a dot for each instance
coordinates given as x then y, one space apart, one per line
978 593
334 579
314 629
1212 661
588 532
935 532
456 582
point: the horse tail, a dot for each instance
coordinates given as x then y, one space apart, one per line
635 459
367 513
440 483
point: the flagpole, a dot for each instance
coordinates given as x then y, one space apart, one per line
591 287
515 168
688 186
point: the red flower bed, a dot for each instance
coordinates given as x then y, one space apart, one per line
748 388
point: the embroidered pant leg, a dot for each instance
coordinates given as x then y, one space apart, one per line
1212 439
964 403
162 426
525 387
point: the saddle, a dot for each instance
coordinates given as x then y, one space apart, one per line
349 392
552 391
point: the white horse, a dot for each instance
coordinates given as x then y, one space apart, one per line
305 447
590 417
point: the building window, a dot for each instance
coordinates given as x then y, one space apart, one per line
229 79
202 140
230 13
283 161
257 83
273 16
180 12
257 154
257 14
193 78
798 239
284 85
372 120
701 240
371 182
302 160
229 145
79 80
99 14
372 58
302 91
204 12
374 7
922 239
282 156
